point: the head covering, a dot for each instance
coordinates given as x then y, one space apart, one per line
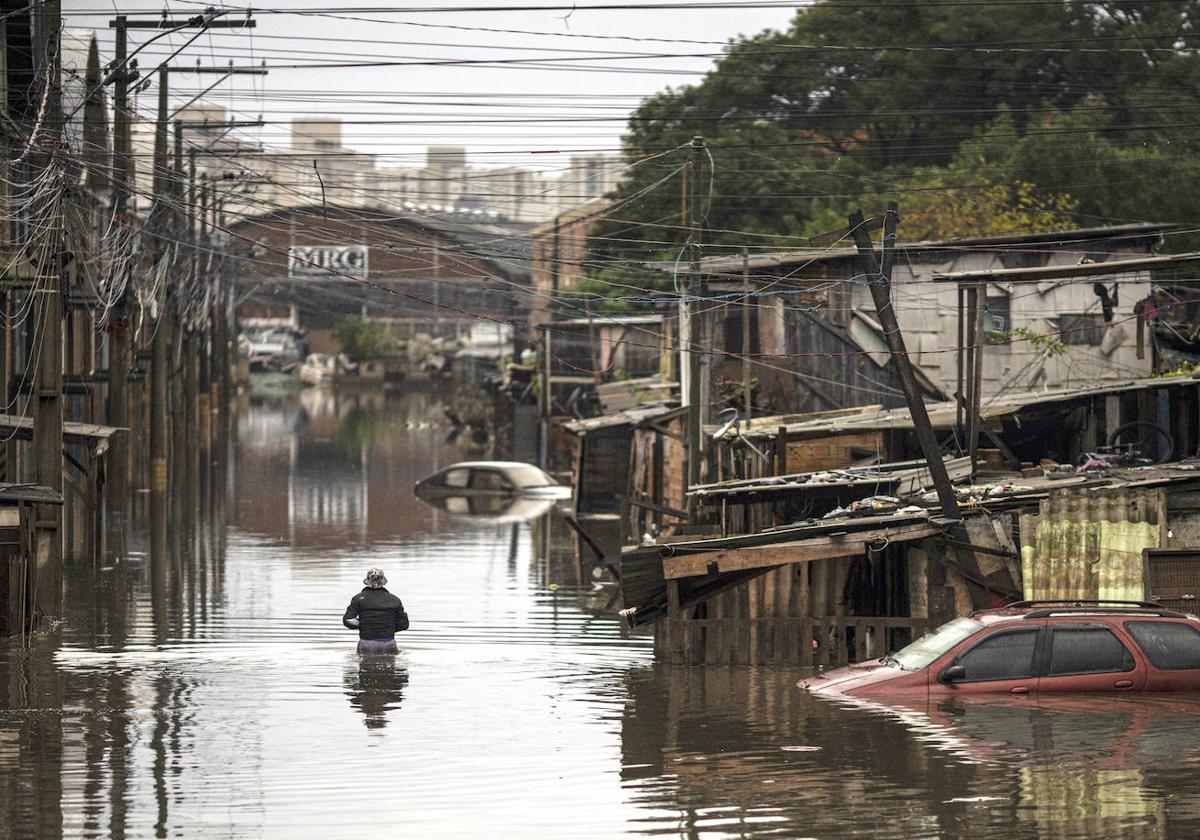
375 579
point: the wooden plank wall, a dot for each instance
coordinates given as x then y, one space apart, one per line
791 615
828 453
656 472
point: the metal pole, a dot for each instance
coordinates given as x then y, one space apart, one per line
746 347
689 340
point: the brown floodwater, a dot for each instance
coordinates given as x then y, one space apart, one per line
229 703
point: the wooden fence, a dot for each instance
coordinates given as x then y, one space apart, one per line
825 641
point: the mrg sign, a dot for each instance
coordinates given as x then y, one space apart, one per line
330 262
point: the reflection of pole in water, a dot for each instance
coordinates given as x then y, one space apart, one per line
159 582
118 752
514 538
158 745
31 685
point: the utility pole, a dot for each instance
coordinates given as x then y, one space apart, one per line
879 279
48 321
746 346
117 328
159 344
689 325
162 219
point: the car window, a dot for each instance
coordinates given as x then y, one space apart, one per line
934 643
527 475
1170 645
1004 655
456 478
488 480
1086 650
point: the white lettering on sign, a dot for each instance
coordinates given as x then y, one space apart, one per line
331 262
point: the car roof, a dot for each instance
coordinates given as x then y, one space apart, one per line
1063 608
491 465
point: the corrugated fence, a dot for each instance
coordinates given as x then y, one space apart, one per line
1087 543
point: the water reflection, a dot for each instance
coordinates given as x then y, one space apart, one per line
494 508
375 687
219 696
742 755
325 469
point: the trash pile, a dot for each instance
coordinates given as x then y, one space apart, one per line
979 492
870 506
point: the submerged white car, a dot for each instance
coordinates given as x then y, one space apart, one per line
490 478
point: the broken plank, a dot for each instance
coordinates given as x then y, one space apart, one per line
731 559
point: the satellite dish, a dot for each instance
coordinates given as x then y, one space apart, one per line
731 425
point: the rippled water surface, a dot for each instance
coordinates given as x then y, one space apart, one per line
230 703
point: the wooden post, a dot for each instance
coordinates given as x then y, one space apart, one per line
880 282
117 329
959 397
968 354
878 276
976 374
48 320
159 346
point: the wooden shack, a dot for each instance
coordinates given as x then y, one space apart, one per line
19 552
835 589
808 321
1060 424
618 465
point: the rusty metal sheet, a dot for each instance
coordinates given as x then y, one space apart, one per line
1088 543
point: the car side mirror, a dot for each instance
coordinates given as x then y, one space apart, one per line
954 673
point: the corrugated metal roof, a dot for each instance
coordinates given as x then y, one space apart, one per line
508 248
91 433
628 417
29 493
942 415
602 319
1065 238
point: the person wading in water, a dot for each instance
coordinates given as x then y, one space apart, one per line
376 614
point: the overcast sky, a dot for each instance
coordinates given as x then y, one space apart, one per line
570 99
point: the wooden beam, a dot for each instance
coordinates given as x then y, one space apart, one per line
646 504
781 554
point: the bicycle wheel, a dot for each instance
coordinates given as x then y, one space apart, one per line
1134 433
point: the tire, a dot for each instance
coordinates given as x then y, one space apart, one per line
1169 449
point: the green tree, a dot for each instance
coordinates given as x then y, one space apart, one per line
978 119
362 341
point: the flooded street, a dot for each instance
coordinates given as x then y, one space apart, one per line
230 703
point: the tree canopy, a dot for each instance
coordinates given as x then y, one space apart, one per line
978 118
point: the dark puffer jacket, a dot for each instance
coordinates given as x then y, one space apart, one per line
375 614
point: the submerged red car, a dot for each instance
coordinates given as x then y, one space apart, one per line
1036 647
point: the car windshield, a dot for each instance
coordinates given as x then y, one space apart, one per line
525 475
934 643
